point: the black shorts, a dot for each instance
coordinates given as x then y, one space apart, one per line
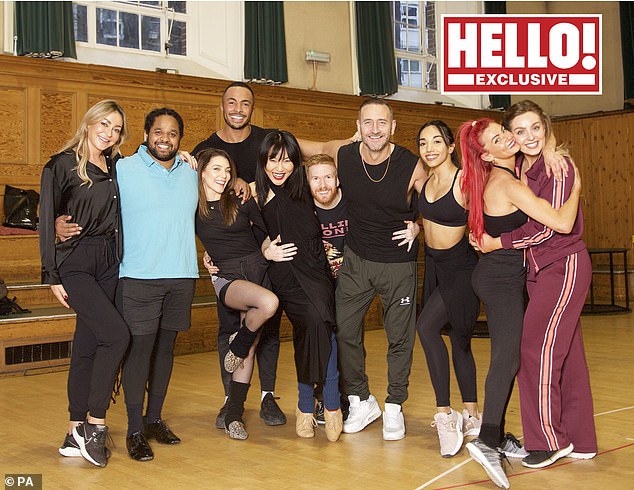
149 304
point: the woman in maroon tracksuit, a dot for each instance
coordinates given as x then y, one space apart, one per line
555 396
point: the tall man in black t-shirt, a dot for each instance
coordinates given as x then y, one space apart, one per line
241 140
378 179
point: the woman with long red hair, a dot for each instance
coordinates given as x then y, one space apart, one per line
499 202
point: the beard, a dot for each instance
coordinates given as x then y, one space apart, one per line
326 201
162 157
374 145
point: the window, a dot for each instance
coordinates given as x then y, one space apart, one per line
415 44
154 27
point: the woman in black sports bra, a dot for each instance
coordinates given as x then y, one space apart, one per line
448 297
499 202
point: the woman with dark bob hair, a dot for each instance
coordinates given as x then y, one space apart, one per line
300 275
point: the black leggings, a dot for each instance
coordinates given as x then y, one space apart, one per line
89 276
430 321
500 280
149 361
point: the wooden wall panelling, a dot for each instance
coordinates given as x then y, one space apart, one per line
602 147
57 122
327 125
13 114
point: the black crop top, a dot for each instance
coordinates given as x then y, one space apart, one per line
496 225
444 211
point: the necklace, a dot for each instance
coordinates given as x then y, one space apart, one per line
389 159
212 204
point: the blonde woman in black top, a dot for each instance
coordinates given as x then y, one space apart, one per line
83 271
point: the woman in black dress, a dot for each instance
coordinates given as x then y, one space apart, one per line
300 275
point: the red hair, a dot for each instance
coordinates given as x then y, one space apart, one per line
475 172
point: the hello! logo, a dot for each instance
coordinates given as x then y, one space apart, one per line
527 54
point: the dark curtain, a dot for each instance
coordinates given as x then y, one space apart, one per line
45 29
627 49
375 49
265 42
497 101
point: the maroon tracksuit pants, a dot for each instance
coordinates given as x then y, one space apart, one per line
553 379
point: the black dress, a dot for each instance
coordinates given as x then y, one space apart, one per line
304 285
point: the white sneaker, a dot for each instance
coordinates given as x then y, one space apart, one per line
491 460
449 426
471 425
362 413
576 455
393 422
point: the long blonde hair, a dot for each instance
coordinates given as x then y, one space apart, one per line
79 142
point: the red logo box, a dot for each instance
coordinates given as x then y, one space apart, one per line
525 54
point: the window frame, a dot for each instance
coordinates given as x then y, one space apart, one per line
161 11
421 55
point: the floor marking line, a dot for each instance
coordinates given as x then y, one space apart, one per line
614 411
427 483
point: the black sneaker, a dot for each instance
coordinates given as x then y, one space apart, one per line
92 442
541 459
70 448
220 418
160 431
319 413
270 411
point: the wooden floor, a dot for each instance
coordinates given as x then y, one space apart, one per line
33 420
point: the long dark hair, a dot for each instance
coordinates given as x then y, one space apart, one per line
445 133
228 204
276 143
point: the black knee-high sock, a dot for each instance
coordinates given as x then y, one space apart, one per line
243 341
235 402
136 370
161 373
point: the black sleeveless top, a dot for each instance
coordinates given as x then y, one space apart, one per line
444 211
496 225
377 203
